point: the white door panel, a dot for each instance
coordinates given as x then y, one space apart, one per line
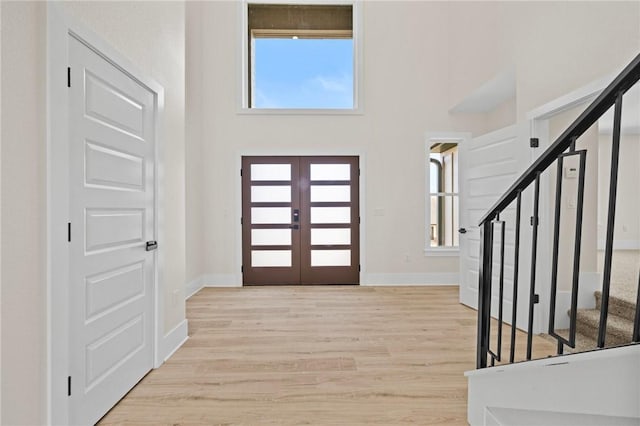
492 164
112 172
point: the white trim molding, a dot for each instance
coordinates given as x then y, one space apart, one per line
621 245
174 339
221 280
193 286
411 279
589 283
461 138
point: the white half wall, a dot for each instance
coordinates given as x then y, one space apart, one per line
604 382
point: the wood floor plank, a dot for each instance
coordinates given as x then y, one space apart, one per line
315 355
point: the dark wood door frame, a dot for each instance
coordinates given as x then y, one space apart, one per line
301 271
261 275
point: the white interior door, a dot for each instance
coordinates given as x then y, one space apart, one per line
112 172
492 163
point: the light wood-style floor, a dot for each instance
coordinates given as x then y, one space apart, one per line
316 355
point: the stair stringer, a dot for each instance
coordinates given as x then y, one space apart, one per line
603 382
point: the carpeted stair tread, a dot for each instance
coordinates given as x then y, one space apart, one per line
621 303
619 329
583 343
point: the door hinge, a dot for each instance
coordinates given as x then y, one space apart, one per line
69 386
68 76
69 231
534 142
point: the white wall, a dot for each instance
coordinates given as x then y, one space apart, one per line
396 115
151 35
0 216
627 226
588 250
23 214
194 163
448 50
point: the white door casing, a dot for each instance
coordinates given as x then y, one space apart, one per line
492 163
112 215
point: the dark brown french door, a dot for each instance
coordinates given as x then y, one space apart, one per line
300 220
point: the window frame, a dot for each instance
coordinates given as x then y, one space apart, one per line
431 138
245 80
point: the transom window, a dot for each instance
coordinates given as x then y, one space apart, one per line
300 56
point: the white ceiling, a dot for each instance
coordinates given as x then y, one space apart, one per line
491 94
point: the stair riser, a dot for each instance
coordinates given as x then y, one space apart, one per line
614 335
617 307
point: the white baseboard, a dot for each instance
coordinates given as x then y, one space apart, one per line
411 279
404 279
221 280
174 339
193 287
621 244
589 283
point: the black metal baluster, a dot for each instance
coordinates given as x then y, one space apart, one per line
611 213
516 258
576 251
556 244
484 294
501 289
533 297
636 323
497 354
571 338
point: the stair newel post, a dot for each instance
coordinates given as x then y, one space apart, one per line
484 293
611 215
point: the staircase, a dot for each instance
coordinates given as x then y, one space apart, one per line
622 307
594 381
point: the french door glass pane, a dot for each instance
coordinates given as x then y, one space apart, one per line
271 237
330 172
271 194
330 214
278 172
270 215
330 236
270 258
330 193
330 257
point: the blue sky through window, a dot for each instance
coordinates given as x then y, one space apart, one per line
303 73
